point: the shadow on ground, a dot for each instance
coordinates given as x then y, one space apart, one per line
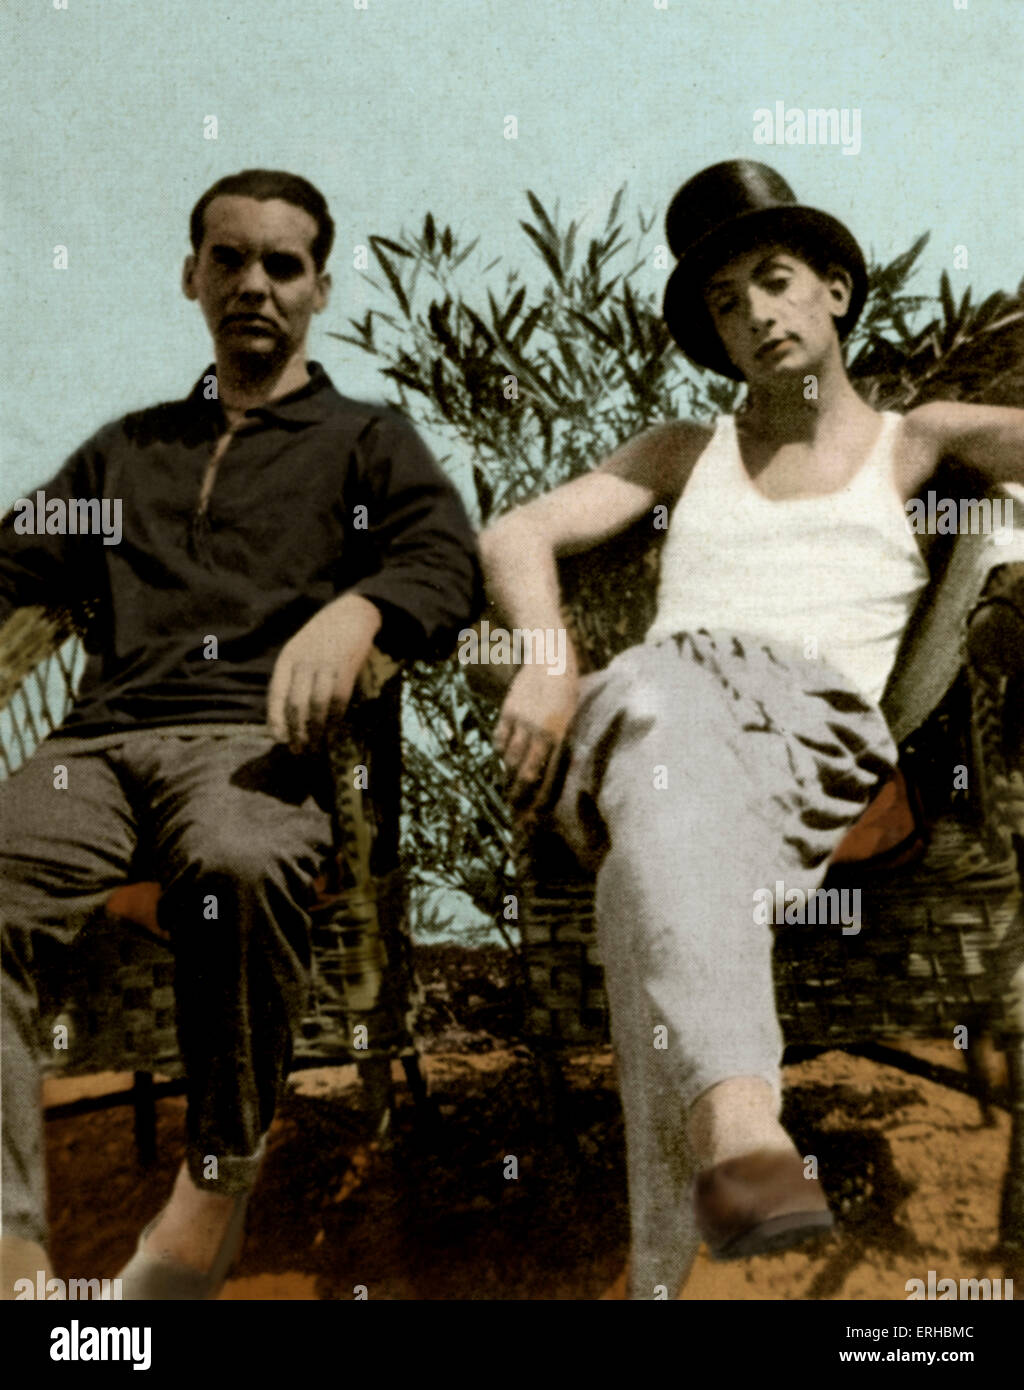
480 1199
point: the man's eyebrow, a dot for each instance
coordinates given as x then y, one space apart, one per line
776 254
240 249
723 281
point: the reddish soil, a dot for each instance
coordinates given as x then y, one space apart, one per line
910 1169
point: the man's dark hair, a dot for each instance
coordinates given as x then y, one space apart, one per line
264 184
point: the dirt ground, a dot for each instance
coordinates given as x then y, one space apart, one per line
910 1169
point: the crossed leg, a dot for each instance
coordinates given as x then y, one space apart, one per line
706 769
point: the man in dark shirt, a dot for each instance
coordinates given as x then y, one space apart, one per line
244 549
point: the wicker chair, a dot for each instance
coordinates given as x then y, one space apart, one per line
116 989
943 937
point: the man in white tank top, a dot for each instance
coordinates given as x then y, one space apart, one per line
737 744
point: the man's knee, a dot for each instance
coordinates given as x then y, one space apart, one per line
235 861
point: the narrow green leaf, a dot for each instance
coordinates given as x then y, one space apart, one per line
511 312
549 256
393 280
570 245
525 329
440 393
391 245
484 493
412 382
542 217
616 204
634 324
354 342
988 308
946 295
466 253
437 317
478 325
572 363
593 327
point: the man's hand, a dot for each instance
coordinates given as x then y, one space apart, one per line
317 669
519 553
531 731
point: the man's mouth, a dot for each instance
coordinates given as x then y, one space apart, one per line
253 321
772 346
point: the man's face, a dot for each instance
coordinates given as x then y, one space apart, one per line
254 277
774 314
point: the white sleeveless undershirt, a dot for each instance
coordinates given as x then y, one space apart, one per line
836 576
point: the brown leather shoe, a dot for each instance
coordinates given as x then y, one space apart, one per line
758 1202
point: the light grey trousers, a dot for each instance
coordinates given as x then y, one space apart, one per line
705 768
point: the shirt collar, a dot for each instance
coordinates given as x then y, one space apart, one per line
312 402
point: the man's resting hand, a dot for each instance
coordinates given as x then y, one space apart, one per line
316 670
531 731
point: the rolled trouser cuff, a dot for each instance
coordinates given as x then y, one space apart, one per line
234 1175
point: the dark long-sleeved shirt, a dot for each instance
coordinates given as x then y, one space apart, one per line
314 496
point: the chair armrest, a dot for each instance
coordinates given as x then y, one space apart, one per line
995 626
376 672
995 661
364 756
29 636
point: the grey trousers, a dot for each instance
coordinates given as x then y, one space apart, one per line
236 828
705 768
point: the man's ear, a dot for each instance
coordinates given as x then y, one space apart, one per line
323 292
188 272
840 288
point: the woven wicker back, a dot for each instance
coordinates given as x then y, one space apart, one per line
929 953
41 661
610 591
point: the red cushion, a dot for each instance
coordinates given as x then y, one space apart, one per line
888 821
136 902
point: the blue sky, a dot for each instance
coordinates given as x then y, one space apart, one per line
400 107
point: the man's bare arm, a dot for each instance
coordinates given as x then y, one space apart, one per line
519 554
987 437
519 550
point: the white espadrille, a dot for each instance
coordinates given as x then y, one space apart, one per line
147 1276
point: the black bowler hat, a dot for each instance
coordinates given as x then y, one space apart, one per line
727 209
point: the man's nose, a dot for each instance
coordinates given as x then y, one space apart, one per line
254 280
760 308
